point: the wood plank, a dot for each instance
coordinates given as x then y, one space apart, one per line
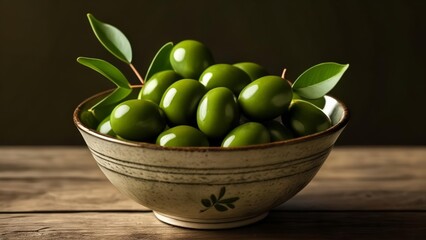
367 178
62 195
56 179
278 225
353 178
47 163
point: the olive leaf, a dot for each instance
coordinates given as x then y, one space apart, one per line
112 39
88 119
230 205
206 203
220 208
161 60
213 198
319 80
218 203
222 192
102 108
106 69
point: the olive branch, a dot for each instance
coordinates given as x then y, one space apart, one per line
219 203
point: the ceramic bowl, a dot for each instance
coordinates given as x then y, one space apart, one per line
212 187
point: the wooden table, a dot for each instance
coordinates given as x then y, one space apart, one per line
360 193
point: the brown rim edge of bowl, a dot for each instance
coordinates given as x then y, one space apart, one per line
338 126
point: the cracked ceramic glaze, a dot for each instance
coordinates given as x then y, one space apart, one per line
213 187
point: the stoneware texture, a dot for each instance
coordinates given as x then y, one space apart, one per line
212 187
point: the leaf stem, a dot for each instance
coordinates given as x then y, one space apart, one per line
137 73
283 73
203 210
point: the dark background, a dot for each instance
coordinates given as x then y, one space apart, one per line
383 41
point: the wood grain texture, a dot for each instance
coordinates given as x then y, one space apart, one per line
278 225
352 178
56 179
359 193
362 178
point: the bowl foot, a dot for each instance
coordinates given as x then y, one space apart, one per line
212 224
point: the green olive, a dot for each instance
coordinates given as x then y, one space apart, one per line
189 58
304 118
265 98
217 112
247 134
319 102
105 127
225 75
137 120
182 136
278 131
154 88
180 101
254 70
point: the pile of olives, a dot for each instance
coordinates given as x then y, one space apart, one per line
200 103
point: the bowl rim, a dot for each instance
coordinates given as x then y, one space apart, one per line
335 128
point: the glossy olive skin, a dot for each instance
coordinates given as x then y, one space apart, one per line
182 136
137 120
105 127
247 134
278 131
189 58
225 75
180 101
304 118
217 112
252 69
265 98
154 88
319 102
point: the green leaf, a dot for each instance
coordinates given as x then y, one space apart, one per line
102 111
213 198
206 202
106 69
222 192
112 39
161 61
230 205
220 208
319 80
88 119
112 99
103 108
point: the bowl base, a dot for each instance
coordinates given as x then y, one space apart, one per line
213 224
